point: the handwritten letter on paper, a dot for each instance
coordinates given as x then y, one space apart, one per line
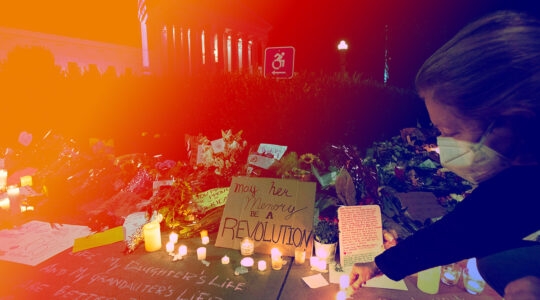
360 233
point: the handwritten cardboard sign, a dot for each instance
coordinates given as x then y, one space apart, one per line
360 233
273 212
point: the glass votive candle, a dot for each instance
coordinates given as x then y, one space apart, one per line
201 253
450 274
277 262
299 255
247 246
473 282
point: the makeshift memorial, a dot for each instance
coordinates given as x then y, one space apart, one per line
104 189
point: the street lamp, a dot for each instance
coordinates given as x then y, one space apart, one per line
342 49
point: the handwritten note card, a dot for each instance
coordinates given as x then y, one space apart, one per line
360 233
273 212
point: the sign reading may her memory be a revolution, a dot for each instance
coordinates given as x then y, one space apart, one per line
273 212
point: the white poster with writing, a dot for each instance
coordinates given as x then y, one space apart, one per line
360 233
273 212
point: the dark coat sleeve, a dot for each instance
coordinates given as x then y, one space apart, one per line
496 216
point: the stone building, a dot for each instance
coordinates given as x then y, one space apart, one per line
201 36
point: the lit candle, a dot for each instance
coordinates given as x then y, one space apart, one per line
474 286
201 253
173 237
428 280
26 180
277 262
205 240
343 282
225 260
341 295
317 263
247 246
13 193
182 250
4 204
450 274
170 247
472 280
247 262
299 256
261 265
204 233
322 253
152 236
3 179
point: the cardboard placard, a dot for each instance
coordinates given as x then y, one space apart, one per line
360 233
273 212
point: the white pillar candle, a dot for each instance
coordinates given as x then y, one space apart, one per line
182 250
261 265
225 260
299 256
152 236
201 253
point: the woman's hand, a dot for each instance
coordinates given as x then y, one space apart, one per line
526 288
362 272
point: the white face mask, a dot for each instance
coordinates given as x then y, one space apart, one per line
474 162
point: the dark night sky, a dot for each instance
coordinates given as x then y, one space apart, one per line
416 28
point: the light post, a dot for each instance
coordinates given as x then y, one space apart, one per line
342 49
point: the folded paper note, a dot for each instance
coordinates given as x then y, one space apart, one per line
315 281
